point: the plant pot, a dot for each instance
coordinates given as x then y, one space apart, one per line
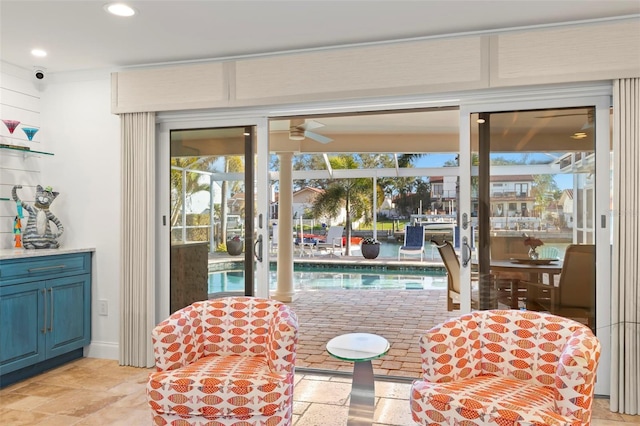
370 251
234 247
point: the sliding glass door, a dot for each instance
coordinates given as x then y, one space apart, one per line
535 177
215 218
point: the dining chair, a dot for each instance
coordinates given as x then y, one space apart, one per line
506 248
413 241
574 295
452 265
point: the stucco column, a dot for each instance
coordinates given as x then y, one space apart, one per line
284 289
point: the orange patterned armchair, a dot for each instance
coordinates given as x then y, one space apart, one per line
506 368
228 361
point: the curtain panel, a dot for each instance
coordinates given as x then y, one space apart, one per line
625 296
137 283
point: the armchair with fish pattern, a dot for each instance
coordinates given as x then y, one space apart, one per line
223 362
506 367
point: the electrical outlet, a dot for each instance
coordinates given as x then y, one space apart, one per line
103 308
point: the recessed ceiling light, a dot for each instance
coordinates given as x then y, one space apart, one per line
120 9
579 135
39 53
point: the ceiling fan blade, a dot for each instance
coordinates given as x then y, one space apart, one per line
562 115
317 137
587 125
310 125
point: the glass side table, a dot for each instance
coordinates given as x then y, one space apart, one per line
360 348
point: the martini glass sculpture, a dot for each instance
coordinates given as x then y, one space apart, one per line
30 132
11 124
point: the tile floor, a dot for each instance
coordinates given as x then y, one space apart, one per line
98 392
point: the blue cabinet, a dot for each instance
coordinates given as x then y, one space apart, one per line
45 312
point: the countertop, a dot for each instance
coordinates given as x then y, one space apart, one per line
18 253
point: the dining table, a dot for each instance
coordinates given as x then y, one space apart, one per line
536 269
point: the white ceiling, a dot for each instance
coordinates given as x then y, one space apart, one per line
80 35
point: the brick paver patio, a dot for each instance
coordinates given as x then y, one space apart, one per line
400 316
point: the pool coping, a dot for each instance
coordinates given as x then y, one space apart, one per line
347 263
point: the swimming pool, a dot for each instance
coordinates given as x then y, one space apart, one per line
224 281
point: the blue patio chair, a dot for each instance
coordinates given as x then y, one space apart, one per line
413 241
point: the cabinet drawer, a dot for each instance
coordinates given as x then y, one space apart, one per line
43 267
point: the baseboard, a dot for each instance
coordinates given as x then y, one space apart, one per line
104 350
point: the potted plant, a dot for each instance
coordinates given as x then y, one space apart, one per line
234 246
370 248
533 244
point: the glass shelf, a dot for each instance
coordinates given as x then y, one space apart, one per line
26 152
5 199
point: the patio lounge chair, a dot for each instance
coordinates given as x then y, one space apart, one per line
273 246
332 241
413 241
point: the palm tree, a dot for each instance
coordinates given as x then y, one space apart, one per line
191 184
353 193
544 189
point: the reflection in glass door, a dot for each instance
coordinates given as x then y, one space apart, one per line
212 212
534 188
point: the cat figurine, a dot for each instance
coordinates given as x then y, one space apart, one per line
37 234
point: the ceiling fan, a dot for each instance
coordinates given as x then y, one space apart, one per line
299 129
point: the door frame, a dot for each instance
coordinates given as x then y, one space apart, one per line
602 224
548 96
166 123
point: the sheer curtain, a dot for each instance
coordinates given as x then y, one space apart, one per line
625 297
137 283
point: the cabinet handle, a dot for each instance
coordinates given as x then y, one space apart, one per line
44 299
45 268
51 321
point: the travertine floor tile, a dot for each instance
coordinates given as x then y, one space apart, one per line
53 420
324 415
323 392
112 416
20 417
79 403
393 412
54 399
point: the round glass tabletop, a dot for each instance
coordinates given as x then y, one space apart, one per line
358 346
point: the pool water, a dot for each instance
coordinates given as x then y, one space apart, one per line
328 280
389 249
429 278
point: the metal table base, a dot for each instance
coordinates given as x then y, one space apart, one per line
362 395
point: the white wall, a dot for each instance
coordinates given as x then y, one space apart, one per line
85 138
19 100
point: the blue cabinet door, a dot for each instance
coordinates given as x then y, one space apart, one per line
22 325
69 322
